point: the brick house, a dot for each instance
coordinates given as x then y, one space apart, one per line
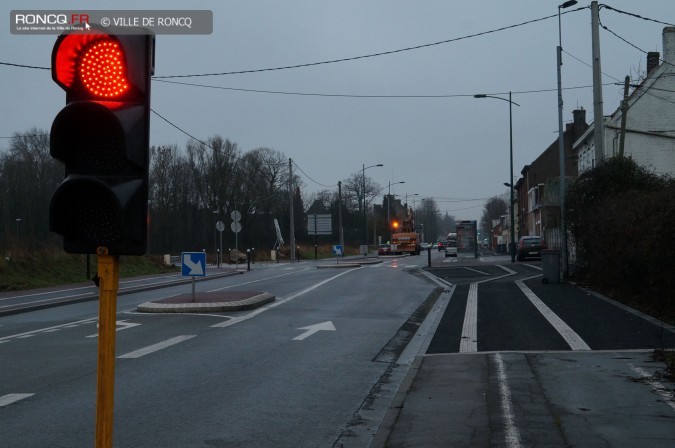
538 190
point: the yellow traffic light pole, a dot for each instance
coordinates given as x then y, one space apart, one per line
108 271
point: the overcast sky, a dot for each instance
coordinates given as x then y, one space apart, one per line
454 149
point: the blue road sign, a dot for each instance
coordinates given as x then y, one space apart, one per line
337 250
193 264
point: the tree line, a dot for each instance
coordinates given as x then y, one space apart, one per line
193 187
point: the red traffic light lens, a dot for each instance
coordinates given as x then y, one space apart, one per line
91 66
101 69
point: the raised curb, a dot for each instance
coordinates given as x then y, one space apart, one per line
206 307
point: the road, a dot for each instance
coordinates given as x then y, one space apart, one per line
239 380
347 357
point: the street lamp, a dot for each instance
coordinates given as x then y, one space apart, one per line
363 178
561 144
389 207
512 249
406 198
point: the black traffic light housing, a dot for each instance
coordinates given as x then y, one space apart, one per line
102 138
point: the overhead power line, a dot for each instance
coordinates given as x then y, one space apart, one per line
602 5
371 55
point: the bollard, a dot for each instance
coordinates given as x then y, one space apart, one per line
429 256
248 259
253 255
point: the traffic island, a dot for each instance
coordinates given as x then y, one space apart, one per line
208 302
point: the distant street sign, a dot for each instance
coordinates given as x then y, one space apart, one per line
235 226
337 250
193 264
319 224
220 226
236 216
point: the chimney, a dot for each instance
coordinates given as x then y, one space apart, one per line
669 44
579 122
652 61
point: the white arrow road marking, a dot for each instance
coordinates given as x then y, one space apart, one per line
324 326
12 398
121 325
195 268
158 346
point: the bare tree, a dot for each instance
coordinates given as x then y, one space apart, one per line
429 216
28 178
353 190
494 209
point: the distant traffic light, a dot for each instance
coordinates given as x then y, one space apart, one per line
102 137
395 224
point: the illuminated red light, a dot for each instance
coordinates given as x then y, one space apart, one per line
102 70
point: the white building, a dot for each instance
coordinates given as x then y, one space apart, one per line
650 119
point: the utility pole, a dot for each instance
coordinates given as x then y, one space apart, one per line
341 235
292 221
598 123
561 145
624 111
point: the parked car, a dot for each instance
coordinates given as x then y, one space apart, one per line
451 249
442 245
529 246
384 249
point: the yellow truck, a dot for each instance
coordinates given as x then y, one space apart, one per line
404 238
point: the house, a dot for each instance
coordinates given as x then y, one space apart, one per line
538 190
649 125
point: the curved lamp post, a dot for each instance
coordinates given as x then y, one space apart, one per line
512 249
561 144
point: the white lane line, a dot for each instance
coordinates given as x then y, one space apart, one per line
571 337
48 329
469 341
276 303
510 271
512 436
476 270
259 280
12 398
156 347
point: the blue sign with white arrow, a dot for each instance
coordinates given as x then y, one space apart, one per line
193 264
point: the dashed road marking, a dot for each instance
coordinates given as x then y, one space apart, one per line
156 347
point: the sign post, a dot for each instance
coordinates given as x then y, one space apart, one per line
193 265
337 251
108 272
319 225
236 228
220 226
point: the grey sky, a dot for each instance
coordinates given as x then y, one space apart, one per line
452 149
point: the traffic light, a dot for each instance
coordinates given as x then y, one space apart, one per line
102 139
395 225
